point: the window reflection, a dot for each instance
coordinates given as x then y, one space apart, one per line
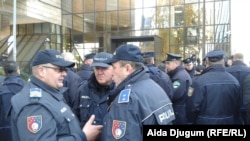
185 26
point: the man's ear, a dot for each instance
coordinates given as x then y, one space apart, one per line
129 69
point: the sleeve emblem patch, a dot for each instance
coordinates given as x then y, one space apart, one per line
118 129
34 123
176 84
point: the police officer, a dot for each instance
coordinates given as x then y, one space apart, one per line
189 66
136 101
92 96
12 84
158 75
39 112
71 81
85 71
246 99
240 71
181 81
214 96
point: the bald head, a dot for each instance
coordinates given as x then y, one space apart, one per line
238 56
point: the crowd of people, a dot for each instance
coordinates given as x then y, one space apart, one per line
112 95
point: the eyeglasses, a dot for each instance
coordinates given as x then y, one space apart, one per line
60 69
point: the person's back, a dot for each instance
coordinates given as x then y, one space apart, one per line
1 79
85 71
239 70
162 79
71 81
246 98
214 96
11 85
158 75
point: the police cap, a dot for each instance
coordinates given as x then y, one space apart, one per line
215 55
50 56
147 54
187 61
172 57
100 59
127 52
89 56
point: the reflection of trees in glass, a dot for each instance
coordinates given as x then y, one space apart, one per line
191 30
162 17
184 39
191 15
178 16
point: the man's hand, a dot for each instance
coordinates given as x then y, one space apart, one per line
92 131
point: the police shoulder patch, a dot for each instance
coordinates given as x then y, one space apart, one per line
36 92
176 84
124 96
190 91
34 123
118 129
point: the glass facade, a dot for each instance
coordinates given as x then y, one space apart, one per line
82 26
184 26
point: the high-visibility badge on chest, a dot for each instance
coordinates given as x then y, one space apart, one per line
118 129
176 84
124 96
34 123
190 91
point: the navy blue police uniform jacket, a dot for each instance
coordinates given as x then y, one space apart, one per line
214 98
39 113
85 72
1 79
246 98
181 81
240 71
71 81
162 79
135 102
11 85
92 99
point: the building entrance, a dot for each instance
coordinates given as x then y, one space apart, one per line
146 43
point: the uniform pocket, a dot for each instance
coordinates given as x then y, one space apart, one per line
85 105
